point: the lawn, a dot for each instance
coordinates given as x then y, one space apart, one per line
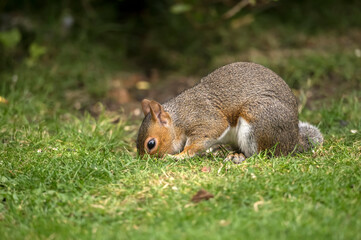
68 171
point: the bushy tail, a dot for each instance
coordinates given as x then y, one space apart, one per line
309 137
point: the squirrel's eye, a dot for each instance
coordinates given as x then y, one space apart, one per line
151 144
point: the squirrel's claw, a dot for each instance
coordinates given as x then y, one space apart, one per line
236 158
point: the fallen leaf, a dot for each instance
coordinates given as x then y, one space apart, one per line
258 203
135 227
224 223
98 206
202 195
116 120
137 112
206 169
142 85
120 95
3 100
358 52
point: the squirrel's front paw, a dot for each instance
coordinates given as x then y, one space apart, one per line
236 158
174 156
178 156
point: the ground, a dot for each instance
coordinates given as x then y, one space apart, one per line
69 169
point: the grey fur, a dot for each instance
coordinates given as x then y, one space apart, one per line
243 89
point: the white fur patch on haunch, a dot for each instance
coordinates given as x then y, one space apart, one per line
246 141
241 137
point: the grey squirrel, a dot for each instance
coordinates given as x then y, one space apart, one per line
242 104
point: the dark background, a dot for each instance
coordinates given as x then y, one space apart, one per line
153 33
121 51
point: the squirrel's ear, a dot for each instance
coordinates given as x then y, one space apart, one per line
157 111
146 106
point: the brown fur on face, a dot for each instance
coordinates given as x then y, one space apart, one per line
157 125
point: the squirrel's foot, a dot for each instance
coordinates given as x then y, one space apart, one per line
236 158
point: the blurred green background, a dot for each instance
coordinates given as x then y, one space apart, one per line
118 52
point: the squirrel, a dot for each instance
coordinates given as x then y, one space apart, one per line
245 105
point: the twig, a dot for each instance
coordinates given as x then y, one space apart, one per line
233 11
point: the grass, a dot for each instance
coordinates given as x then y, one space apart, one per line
68 175
75 179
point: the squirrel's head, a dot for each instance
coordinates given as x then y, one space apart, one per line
155 134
